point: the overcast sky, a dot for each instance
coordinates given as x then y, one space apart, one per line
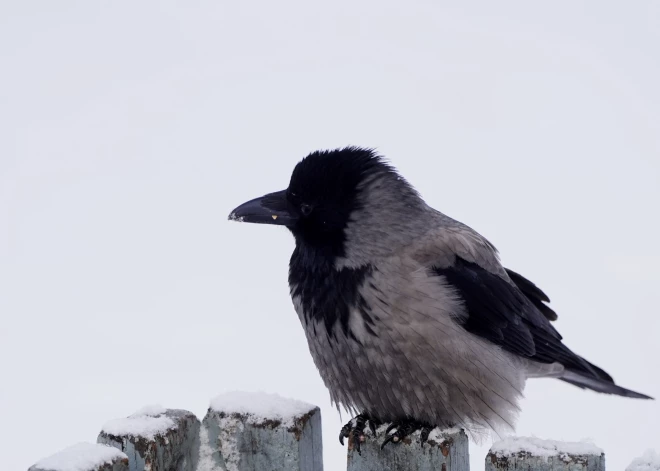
131 129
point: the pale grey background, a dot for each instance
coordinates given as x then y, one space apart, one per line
131 129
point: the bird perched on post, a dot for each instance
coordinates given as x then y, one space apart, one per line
409 315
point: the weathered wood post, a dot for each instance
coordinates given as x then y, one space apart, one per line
155 439
444 451
261 432
84 457
649 461
534 454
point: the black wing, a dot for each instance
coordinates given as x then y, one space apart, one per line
533 294
508 315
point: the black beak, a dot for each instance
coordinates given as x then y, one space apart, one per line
272 208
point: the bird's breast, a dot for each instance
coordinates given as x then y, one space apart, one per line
328 296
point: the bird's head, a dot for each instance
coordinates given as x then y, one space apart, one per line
338 202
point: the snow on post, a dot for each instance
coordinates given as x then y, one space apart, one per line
649 461
534 454
444 451
245 431
84 457
156 439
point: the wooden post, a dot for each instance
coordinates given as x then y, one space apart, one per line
444 451
156 439
84 457
261 432
534 454
649 461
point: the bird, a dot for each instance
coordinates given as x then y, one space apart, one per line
409 315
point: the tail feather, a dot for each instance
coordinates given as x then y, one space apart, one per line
603 385
600 373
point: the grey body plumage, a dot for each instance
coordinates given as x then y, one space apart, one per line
419 362
409 314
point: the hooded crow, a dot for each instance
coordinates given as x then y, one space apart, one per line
409 315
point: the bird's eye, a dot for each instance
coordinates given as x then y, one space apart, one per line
306 209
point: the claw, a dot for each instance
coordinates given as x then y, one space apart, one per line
372 426
405 428
424 435
397 436
355 430
387 440
344 432
358 430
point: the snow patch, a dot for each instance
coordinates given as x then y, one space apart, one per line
152 410
147 422
234 217
259 406
81 457
439 435
649 461
544 448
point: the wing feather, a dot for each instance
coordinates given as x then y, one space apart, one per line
499 311
533 293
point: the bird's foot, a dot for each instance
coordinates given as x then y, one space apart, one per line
405 428
354 430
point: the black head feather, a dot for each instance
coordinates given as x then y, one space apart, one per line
324 190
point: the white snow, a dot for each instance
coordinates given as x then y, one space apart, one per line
439 434
147 422
152 410
260 406
543 448
649 461
81 457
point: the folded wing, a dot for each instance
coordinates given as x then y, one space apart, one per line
512 314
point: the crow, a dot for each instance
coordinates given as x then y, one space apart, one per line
409 315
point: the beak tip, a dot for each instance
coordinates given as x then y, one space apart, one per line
234 217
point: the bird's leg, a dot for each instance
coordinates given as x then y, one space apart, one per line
405 428
356 427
